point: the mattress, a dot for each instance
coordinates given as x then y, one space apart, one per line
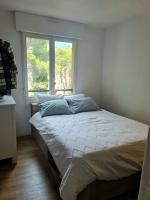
92 145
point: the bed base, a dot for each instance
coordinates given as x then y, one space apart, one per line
97 190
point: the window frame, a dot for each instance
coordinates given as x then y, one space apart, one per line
51 40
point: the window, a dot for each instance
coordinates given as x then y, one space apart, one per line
49 64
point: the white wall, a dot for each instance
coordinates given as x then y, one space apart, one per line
8 33
89 64
126 69
144 193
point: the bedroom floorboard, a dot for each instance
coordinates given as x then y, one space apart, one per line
31 178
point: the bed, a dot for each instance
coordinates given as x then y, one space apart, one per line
87 155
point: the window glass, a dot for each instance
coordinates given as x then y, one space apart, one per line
63 67
44 75
37 65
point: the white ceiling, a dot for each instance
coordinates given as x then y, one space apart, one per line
101 13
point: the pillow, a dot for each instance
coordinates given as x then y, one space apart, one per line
54 107
82 104
74 96
47 97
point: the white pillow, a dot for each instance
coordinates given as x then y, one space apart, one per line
47 97
74 96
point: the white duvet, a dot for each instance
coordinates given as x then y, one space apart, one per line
92 145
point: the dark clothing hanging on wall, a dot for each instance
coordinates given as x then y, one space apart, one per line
8 69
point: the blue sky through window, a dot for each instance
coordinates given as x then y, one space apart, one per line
62 44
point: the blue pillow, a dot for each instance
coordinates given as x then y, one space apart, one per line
82 104
54 107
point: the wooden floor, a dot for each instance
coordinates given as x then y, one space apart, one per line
31 178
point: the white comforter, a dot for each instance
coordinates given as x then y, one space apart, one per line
92 145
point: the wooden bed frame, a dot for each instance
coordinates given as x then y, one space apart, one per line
97 190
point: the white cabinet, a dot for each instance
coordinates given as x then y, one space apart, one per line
8 148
